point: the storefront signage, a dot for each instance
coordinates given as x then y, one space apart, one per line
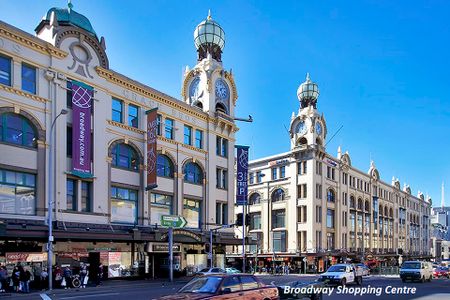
165 248
152 125
184 233
242 175
331 162
173 221
278 162
25 257
81 119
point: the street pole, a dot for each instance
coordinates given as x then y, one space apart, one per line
50 205
171 254
243 237
211 248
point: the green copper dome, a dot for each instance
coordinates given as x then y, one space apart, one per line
67 16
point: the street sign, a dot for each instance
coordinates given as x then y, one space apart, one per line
173 221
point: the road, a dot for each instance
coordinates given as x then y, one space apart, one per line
376 288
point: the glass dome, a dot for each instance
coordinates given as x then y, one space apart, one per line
209 33
308 90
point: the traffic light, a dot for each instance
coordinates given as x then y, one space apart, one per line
239 219
248 219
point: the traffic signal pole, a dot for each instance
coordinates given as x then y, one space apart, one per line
244 219
171 254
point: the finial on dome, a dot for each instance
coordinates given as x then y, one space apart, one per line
209 14
69 4
307 93
307 77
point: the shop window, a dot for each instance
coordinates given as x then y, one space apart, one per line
17 193
164 166
192 212
160 205
124 205
16 129
124 156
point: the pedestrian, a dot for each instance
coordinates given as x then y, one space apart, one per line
26 280
99 274
3 279
84 275
58 276
22 279
67 276
44 279
37 276
15 279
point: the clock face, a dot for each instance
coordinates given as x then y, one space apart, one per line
222 91
194 90
301 128
318 128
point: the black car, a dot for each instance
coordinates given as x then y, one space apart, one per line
298 286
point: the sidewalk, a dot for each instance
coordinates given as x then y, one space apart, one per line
106 285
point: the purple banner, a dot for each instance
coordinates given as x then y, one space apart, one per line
242 175
81 127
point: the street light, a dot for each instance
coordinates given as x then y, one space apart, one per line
50 204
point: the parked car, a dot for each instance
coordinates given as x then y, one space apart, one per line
416 270
342 274
364 269
207 271
224 286
441 272
232 271
299 285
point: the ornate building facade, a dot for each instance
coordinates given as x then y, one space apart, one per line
107 215
307 206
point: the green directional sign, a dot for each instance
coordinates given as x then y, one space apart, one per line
173 221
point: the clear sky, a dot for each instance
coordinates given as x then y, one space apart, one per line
382 67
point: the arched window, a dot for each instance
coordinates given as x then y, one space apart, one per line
391 213
198 104
220 107
367 206
352 202
386 211
255 198
124 156
277 195
164 166
360 204
193 173
381 210
303 141
18 130
331 196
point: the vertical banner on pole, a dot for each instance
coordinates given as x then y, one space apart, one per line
152 125
82 95
242 175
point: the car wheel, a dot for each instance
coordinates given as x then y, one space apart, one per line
343 281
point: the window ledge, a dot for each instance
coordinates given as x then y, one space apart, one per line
19 146
23 93
123 126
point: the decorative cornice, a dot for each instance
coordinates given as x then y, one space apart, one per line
22 93
30 41
167 140
194 148
148 92
117 124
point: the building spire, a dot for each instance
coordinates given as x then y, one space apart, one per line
69 5
209 14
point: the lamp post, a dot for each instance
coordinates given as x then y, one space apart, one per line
50 204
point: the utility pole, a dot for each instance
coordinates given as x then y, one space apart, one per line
243 237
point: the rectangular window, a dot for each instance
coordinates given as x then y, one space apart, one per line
302 191
301 214
199 139
318 168
124 205
251 177
168 128
117 110
71 194
69 141
221 146
160 205
283 172
278 218
187 135
221 213
69 93
17 193
332 173
258 177
158 124
29 78
330 218
133 116
5 70
221 178
192 212
86 196
279 241
255 221
330 241
274 173
318 214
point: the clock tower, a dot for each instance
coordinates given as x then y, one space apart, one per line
308 127
208 86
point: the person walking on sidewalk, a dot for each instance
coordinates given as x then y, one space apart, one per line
67 276
3 278
84 275
99 275
44 279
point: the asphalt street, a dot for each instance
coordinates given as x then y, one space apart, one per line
376 288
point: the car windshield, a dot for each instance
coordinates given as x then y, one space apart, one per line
202 285
411 265
336 269
204 270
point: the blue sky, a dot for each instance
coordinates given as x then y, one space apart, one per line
382 68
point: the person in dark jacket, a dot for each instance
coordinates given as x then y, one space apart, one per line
16 279
25 279
67 276
3 278
99 274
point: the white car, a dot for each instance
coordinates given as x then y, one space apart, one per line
208 271
342 274
232 270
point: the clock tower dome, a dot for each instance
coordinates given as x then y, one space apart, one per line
308 127
208 86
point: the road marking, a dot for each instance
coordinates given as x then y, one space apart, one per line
45 297
90 295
